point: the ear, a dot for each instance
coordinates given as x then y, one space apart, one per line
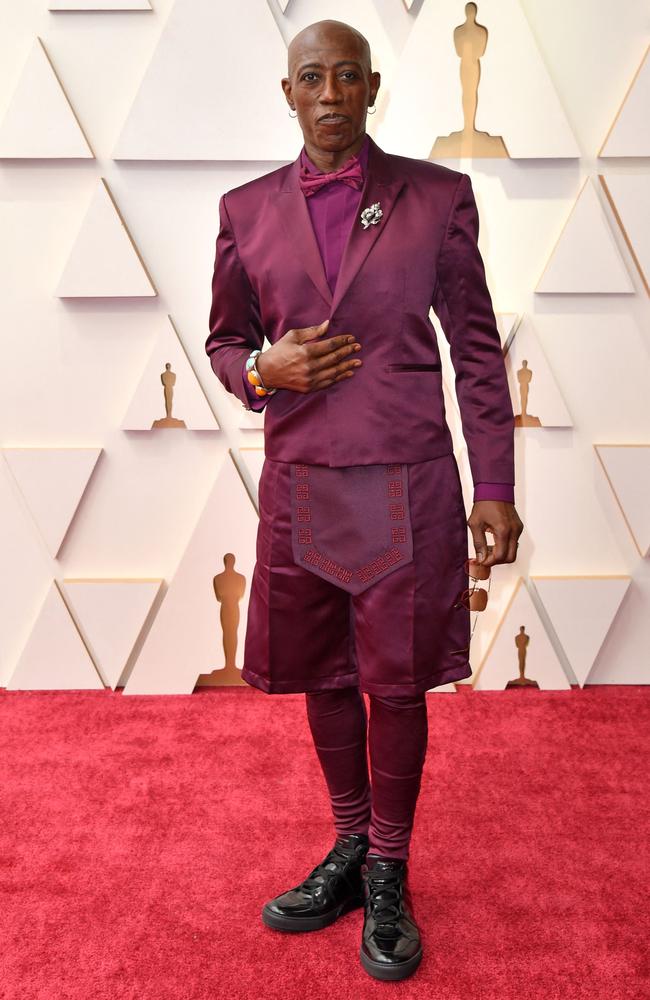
286 86
375 83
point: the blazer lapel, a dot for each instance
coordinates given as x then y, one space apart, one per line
295 218
381 185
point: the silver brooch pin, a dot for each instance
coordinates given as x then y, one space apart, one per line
371 216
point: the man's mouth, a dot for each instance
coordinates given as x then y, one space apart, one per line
333 118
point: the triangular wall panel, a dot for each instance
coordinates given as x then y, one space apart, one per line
109 615
506 324
629 197
501 661
121 5
104 260
629 134
253 462
180 112
528 370
581 610
40 122
517 100
186 638
183 395
27 572
54 657
627 468
586 258
249 420
52 482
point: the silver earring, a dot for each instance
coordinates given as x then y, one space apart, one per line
372 110
293 116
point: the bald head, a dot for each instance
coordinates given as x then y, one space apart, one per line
328 34
330 85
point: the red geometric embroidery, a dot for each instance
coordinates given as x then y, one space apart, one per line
327 565
302 491
301 470
378 565
395 488
393 470
304 536
304 513
396 511
398 534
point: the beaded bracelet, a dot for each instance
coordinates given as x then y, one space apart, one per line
254 376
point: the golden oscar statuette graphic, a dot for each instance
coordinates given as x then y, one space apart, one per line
524 419
168 379
229 588
470 42
521 642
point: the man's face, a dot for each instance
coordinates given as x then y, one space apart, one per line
330 85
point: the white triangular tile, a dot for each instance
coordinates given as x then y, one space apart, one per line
117 5
40 122
183 395
500 663
104 260
629 196
627 468
581 610
186 638
507 325
54 657
253 459
629 133
52 482
586 258
529 372
110 615
179 112
426 100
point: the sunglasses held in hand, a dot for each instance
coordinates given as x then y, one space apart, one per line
475 598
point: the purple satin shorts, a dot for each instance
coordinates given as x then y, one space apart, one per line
405 633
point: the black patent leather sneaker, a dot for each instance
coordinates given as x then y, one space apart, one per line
331 889
390 942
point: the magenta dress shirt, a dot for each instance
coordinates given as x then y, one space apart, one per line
332 210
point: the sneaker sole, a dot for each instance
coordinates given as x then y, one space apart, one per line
381 970
313 923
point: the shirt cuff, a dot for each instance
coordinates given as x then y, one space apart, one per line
494 491
256 402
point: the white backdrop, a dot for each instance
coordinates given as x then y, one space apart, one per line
168 100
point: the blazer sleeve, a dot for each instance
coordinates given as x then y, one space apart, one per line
234 321
463 305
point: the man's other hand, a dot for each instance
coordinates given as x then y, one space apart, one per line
304 363
501 519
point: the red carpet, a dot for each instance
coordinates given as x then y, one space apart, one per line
141 835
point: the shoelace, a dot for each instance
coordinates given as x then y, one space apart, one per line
333 863
385 898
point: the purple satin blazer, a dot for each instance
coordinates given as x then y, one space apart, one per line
269 277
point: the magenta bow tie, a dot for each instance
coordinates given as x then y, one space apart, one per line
350 173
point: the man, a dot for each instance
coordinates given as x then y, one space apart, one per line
360 581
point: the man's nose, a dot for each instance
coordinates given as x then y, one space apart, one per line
331 92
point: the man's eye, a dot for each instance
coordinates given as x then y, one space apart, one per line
350 73
305 75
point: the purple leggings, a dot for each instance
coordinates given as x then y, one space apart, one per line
396 736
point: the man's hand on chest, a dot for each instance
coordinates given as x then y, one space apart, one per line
301 361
